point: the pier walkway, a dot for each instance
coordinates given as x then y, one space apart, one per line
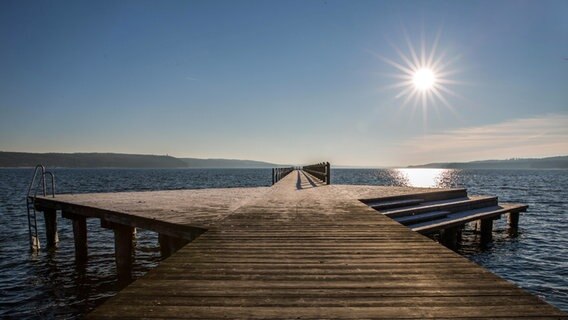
299 249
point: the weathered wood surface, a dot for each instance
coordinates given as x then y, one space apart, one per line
451 205
304 251
185 213
462 217
178 213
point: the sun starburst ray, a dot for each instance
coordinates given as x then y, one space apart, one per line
406 92
448 63
411 49
425 73
397 85
438 62
398 76
411 96
448 91
411 64
423 49
440 96
434 48
396 65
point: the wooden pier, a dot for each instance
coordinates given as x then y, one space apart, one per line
300 249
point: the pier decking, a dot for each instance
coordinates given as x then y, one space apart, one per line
300 249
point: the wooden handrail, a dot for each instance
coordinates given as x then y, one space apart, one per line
279 173
321 170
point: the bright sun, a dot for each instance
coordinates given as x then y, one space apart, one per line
424 79
423 75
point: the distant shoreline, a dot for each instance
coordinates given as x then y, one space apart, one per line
560 162
138 161
138 168
121 160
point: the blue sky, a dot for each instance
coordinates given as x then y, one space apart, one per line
283 81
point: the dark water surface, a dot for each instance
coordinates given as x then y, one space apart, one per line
50 285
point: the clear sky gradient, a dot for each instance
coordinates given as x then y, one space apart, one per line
283 81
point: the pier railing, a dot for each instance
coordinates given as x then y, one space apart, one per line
37 185
279 173
322 171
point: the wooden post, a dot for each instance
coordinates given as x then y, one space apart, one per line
328 173
50 216
486 230
169 245
514 220
79 235
449 238
34 242
123 249
513 224
272 176
459 235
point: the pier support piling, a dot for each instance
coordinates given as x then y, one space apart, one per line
79 235
52 237
449 237
123 249
169 245
514 223
514 220
459 234
486 231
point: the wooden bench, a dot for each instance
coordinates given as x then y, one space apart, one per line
450 224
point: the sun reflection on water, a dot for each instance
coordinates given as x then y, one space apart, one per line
425 178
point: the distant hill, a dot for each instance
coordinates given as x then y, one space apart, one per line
89 160
544 163
226 163
119 160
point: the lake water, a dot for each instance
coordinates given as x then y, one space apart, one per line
50 285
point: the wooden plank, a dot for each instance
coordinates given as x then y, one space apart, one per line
146 298
427 194
395 204
339 312
463 217
422 217
445 205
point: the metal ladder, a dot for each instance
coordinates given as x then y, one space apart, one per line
35 186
